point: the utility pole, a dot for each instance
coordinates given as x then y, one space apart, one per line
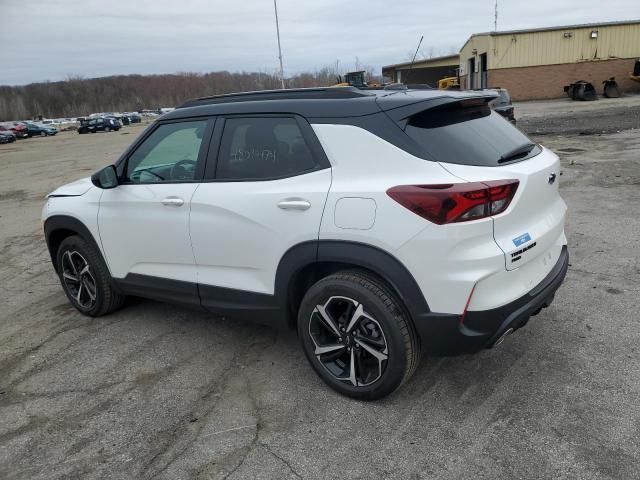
275 7
495 17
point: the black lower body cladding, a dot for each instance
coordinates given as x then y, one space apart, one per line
444 334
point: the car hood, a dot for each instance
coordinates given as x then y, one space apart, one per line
73 189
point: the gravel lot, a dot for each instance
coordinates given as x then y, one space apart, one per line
155 391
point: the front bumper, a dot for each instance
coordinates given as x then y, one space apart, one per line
443 334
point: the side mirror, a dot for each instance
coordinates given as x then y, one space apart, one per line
105 178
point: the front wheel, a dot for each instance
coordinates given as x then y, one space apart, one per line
107 129
43 134
85 278
357 336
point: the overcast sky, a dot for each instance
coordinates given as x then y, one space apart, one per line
49 40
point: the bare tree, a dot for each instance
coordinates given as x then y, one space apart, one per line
77 96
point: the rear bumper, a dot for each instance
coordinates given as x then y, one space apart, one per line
443 334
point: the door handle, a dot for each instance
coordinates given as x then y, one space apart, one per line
294 204
172 202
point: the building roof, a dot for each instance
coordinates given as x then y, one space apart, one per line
551 29
425 63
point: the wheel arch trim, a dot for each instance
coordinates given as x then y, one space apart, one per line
57 223
381 263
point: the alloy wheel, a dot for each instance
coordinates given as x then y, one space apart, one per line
348 342
78 279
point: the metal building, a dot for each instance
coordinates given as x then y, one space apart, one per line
537 63
423 71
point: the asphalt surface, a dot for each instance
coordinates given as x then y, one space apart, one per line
156 391
569 117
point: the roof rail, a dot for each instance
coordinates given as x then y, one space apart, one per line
286 94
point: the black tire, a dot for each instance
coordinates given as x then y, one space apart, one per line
72 251
43 134
107 129
382 311
570 92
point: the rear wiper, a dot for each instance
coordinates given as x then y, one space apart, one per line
517 152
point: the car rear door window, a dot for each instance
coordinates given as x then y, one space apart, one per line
262 148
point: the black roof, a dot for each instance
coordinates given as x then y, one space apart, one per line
282 94
328 102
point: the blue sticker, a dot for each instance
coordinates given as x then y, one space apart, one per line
524 238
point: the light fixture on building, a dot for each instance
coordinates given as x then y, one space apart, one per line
568 34
594 34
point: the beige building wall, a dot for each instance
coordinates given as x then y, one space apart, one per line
591 53
448 61
565 46
550 47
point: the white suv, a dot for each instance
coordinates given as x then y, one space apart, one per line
379 223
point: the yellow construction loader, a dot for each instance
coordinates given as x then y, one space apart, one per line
449 83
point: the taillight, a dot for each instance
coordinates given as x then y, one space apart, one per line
456 202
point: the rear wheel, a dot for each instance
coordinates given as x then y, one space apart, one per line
357 336
43 134
107 129
85 278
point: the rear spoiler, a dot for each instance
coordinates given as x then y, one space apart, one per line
402 114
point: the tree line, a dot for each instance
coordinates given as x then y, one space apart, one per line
77 96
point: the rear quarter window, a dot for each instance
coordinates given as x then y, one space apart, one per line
466 135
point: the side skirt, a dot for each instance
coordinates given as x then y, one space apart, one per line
226 302
160 289
242 305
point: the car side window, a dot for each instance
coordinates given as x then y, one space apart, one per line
262 148
169 154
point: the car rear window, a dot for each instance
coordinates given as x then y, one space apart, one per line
467 134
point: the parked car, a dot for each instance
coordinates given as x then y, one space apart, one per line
135 118
123 119
378 224
100 124
33 129
502 104
10 131
7 136
19 130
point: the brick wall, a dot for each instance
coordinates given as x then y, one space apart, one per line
547 81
